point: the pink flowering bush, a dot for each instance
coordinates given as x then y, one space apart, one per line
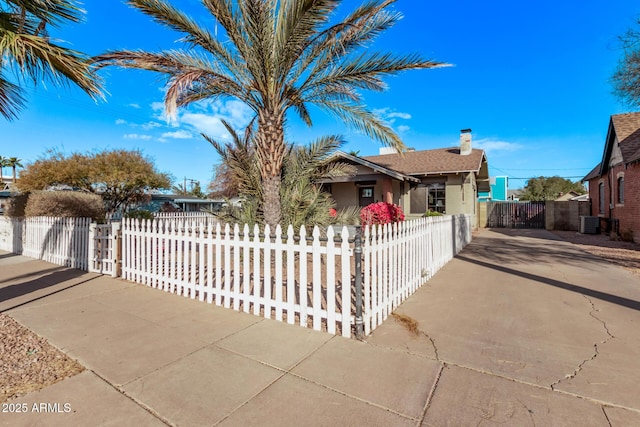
381 213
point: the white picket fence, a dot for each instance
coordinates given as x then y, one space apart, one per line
300 279
280 276
61 241
291 276
183 215
399 258
11 232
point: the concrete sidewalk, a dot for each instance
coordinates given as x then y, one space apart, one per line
519 329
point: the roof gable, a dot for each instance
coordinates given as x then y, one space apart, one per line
622 144
394 173
627 133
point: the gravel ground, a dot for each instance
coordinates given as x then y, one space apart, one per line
28 362
624 254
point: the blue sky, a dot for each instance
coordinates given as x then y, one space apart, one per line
530 79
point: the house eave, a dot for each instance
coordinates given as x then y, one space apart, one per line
375 167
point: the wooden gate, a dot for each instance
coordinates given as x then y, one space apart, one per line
515 214
104 249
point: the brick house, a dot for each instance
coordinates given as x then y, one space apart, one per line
446 180
614 184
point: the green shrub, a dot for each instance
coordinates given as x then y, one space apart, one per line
431 213
65 204
139 214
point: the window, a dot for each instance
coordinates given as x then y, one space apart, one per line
428 197
621 190
601 197
437 198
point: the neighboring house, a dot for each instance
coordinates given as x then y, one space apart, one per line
498 191
572 196
514 195
445 180
614 184
185 203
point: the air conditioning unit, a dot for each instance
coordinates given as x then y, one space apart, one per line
589 224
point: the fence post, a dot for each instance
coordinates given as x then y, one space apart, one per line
358 273
116 249
91 256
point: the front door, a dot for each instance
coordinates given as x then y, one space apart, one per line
366 196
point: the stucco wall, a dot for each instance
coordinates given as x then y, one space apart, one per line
565 215
460 195
345 194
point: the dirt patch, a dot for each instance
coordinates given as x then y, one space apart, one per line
624 254
28 362
409 323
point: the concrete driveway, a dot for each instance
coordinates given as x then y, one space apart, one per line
519 329
529 330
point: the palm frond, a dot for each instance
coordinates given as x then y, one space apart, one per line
165 13
297 24
11 99
38 59
328 46
366 72
53 12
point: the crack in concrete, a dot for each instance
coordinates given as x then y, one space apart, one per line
135 401
431 393
529 411
433 344
596 351
604 411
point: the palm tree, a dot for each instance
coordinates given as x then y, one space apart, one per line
25 47
302 198
3 163
14 162
279 55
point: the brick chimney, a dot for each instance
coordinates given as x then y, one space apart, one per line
465 142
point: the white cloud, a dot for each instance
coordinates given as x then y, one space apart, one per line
134 106
137 136
206 117
389 116
493 145
180 134
150 125
121 122
405 116
157 106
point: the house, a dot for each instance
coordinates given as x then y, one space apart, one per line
572 196
514 195
498 191
446 180
614 184
184 203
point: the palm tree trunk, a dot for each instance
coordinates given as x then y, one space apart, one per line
14 173
270 149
